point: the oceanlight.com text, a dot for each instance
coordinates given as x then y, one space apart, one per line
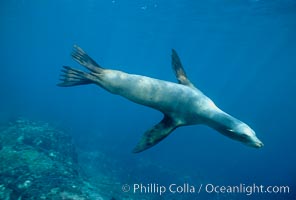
186 188
247 189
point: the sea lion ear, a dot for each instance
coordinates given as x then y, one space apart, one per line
179 70
157 133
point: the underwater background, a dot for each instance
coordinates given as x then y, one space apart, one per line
242 54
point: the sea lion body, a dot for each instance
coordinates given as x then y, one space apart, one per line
181 103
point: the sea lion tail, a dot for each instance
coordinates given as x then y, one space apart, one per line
85 60
73 77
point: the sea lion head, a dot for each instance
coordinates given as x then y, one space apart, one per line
243 133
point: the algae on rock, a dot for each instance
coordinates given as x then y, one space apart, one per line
39 162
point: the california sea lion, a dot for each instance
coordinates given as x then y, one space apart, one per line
182 104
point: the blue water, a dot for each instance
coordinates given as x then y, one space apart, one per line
242 54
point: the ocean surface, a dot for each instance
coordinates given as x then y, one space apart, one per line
242 54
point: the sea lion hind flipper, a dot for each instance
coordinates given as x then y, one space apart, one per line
154 135
73 77
179 70
85 60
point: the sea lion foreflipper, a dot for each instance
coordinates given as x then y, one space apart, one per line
157 133
179 70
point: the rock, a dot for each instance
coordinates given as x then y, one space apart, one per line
38 161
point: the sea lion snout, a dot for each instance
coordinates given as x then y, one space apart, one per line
257 145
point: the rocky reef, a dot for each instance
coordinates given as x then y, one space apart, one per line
38 161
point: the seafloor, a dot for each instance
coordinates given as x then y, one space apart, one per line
38 161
